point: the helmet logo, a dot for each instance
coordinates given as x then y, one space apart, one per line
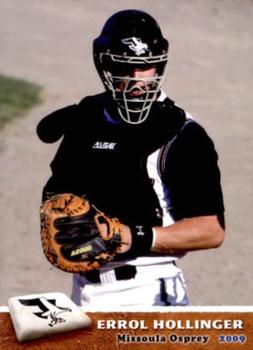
136 45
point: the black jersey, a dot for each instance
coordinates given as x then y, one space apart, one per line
107 161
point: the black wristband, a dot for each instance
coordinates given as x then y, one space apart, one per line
142 239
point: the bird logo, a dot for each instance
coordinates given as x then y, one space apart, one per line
49 310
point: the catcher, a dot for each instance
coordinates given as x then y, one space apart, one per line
135 183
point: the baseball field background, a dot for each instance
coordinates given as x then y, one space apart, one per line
210 74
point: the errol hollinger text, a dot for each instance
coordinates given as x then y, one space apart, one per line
174 324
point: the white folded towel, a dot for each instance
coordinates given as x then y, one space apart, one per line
38 315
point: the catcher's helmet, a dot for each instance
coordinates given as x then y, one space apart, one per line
131 39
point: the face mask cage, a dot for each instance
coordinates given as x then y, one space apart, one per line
135 99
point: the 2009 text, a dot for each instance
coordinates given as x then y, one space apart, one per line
232 338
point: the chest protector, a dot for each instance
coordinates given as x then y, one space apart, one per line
108 161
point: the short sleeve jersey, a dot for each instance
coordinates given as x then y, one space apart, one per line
190 177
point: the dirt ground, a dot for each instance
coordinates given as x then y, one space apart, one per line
210 74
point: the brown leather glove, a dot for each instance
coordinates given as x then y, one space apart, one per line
77 237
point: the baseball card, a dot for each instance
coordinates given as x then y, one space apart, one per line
126 159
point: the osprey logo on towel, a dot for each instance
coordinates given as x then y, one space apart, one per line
49 309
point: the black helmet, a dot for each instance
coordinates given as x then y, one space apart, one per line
131 39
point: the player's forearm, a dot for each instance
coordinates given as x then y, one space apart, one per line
189 234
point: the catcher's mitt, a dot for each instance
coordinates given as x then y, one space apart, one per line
72 234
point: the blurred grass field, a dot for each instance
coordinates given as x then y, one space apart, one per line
16 97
